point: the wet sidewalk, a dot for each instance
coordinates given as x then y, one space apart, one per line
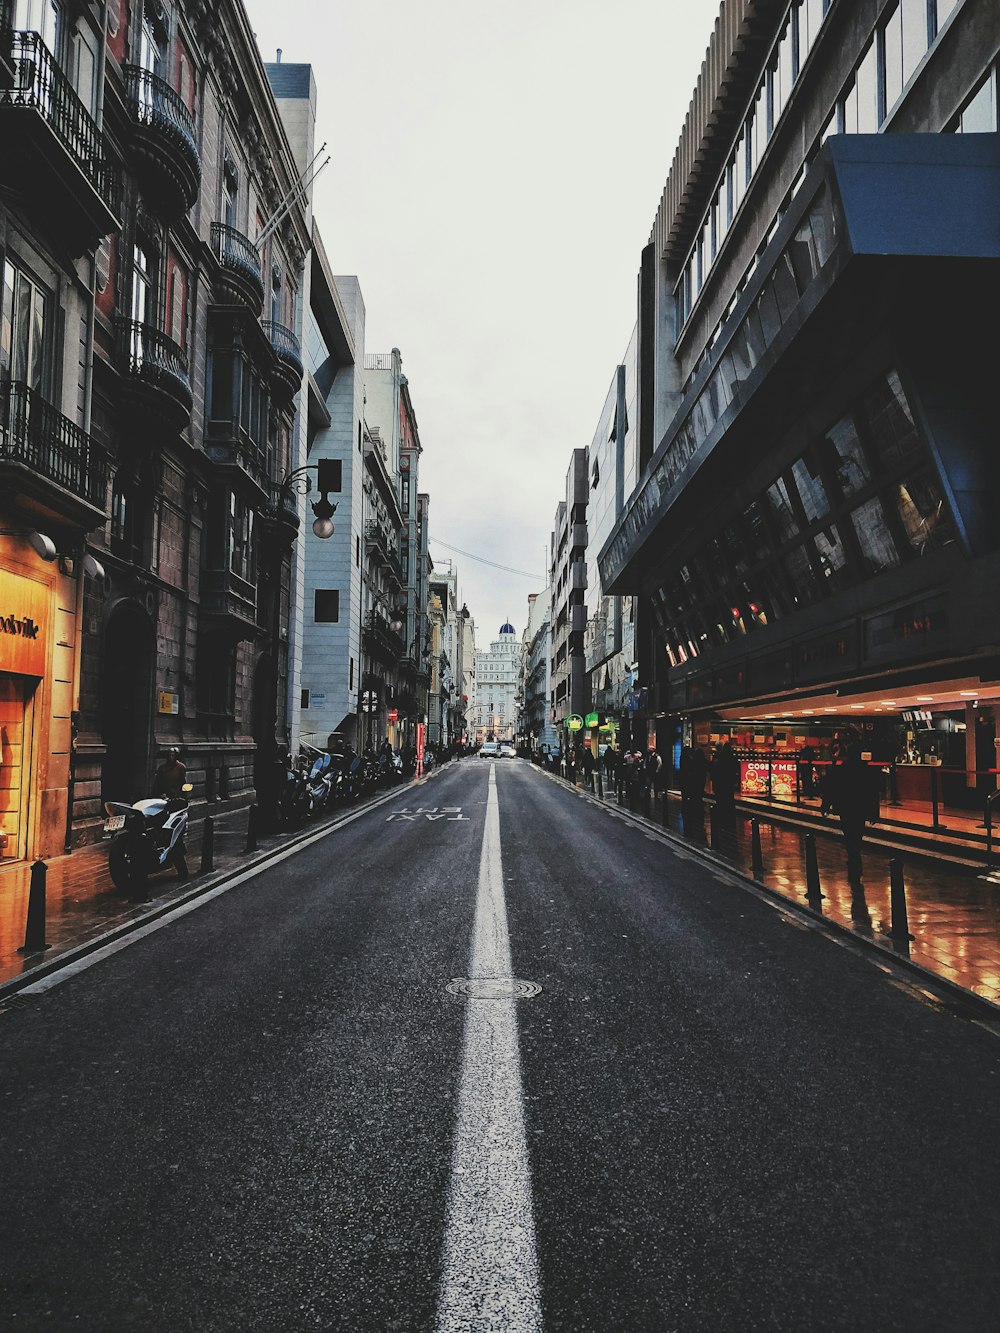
954 913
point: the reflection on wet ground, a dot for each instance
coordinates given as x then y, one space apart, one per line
954 916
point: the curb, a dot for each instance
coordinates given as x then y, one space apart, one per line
962 997
254 862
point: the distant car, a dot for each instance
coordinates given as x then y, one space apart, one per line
507 752
489 750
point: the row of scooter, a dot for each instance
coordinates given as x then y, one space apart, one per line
316 780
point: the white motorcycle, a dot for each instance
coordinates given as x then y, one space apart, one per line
147 836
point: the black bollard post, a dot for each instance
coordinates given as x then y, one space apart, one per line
814 894
900 927
208 845
935 809
251 829
755 852
34 930
600 785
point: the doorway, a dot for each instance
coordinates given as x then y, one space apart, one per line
15 764
126 703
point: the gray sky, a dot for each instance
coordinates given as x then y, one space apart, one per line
496 171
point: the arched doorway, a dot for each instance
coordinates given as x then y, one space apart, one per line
126 703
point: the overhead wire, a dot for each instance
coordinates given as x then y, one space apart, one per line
508 569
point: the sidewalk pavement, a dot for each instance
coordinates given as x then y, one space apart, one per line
954 912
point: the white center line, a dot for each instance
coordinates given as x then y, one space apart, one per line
489 1275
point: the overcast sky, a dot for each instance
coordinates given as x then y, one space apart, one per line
496 171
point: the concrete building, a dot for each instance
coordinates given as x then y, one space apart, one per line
614 684
814 534
568 591
498 679
535 728
334 350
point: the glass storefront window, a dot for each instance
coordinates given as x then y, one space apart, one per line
874 537
890 421
923 512
810 486
841 451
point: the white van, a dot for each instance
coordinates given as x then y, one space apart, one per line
489 750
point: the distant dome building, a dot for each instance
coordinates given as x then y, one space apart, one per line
498 679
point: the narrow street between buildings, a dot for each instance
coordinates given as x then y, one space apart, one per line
490 1056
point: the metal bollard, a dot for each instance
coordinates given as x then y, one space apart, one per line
251 829
755 852
814 894
34 930
900 927
935 806
600 785
208 845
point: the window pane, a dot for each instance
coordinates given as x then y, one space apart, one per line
924 514
781 507
893 58
832 558
802 255
758 535
811 490
914 15
800 576
867 93
874 537
756 346
980 116
821 223
767 309
785 290
841 451
891 422
944 8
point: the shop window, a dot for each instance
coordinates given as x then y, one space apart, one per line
874 538
841 452
924 515
809 484
780 503
890 421
832 559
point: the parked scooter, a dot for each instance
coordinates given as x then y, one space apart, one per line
320 781
148 836
293 798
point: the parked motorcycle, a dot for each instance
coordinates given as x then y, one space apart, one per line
148 836
320 782
293 798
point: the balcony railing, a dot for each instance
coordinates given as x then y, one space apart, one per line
38 82
164 141
156 360
32 432
156 104
285 344
238 254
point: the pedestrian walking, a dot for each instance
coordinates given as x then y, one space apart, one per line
851 792
588 767
170 776
656 770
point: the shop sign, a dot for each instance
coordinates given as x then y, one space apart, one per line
829 655
169 703
574 722
392 715
784 778
24 615
591 720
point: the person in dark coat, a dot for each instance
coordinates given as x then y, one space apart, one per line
588 767
656 770
851 792
694 772
725 778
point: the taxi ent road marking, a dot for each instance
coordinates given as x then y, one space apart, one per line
451 813
489 1272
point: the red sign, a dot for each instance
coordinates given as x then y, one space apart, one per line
392 715
420 748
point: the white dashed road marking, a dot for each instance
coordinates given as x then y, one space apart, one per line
489 1273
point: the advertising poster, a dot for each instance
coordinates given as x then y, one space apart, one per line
753 778
420 749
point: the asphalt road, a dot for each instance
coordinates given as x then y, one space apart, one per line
270 1114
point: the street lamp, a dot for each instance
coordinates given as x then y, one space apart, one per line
297 482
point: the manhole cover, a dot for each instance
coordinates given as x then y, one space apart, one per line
493 988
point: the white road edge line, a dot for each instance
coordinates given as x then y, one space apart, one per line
489 1272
